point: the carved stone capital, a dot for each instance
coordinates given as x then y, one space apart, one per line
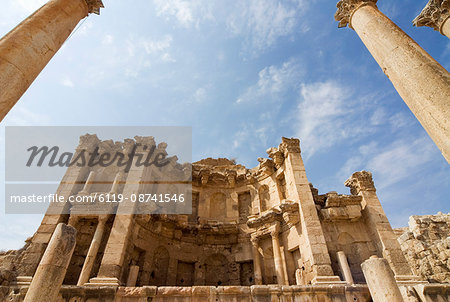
94 6
434 15
360 181
289 145
275 230
346 9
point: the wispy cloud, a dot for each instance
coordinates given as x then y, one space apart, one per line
263 22
324 116
67 82
391 163
260 22
273 82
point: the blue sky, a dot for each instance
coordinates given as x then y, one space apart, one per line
242 74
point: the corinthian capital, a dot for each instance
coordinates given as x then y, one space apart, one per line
94 6
435 13
346 8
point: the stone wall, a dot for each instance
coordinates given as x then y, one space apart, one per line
426 245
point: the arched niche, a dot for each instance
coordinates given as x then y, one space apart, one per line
158 275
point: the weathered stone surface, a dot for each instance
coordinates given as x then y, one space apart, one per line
426 246
435 15
266 226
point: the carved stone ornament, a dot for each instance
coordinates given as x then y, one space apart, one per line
94 6
360 181
346 8
434 15
289 145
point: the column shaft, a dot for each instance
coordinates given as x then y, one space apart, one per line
256 263
445 29
52 269
27 49
277 259
88 184
92 253
380 280
422 82
132 276
345 268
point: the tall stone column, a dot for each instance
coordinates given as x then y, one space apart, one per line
422 82
279 268
256 262
312 240
27 49
93 250
436 15
52 269
361 183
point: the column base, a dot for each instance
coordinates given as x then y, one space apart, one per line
23 280
327 280
409 280
103 282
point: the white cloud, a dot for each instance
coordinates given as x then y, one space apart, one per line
200 95
391 163
260 22
273 81
108 39
263 22
67 82
181 10
324 116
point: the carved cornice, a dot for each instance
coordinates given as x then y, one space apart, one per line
434 15
94 6
346 9
360 181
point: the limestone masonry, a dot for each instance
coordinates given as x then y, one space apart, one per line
261 234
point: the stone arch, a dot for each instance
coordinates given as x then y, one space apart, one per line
264 197
158 275
217 271
217 206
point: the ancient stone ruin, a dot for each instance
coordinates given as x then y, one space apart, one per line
261 234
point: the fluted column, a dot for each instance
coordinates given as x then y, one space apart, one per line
256 262
93 250
422 82
279 268
27 49
436 15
